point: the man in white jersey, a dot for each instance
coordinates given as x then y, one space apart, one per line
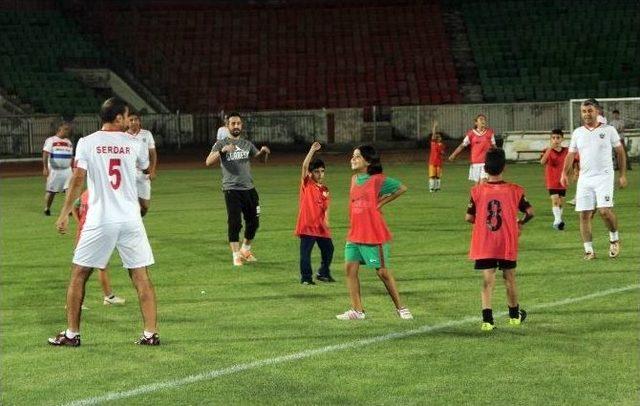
143 180
109 159
594 141
57 155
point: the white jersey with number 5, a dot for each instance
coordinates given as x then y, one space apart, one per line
111 159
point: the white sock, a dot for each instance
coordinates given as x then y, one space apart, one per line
246 247
147 334
557 214
432 183
588 246
236 255
438 183
71 334
613 236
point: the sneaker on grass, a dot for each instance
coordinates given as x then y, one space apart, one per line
61 340
113 300
404 313
351 315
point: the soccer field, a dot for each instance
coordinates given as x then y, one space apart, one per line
254 335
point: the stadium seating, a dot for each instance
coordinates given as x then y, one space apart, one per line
37 45
543 50
209 57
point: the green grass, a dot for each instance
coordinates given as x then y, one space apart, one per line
579 353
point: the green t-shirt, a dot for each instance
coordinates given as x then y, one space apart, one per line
389 186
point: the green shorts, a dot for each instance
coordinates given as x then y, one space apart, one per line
373 256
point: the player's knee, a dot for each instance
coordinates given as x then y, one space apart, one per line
604 212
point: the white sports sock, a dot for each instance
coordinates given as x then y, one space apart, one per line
236 255
147 334
588 246
438 183
613 236
246 247
71 334
431 183
557 214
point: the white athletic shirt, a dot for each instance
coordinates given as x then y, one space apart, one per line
60 152
594 146
223 132
110 159
145 138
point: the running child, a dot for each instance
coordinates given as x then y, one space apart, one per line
313 219
79 211
436 152
493 211
368 237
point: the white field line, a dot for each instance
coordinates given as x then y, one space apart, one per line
206 376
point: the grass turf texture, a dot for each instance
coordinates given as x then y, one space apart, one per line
579 353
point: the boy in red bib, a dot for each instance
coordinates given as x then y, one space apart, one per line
368 237
313 219
493 211
79 211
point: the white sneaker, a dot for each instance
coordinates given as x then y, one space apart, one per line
248 256
237 261
404 313
113 300
351 315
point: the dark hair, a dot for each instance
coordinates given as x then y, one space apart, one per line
557 131
370 155
592 102
494 161
233 114
111 108
615 111
133 112
315 164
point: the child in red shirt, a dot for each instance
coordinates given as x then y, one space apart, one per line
368 237
79 211
553 161
313 219
493 210
436 152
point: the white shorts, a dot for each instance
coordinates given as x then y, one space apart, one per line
144 186
96 245
476 172
594 192
58 180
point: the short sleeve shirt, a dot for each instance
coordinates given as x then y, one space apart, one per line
389 186
236 165
60 152
594 146
110 159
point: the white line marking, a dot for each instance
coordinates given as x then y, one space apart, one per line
206 376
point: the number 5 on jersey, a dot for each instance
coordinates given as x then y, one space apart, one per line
114 170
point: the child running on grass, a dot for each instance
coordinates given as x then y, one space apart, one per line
436 152
368 237
313 219
79 211
493 210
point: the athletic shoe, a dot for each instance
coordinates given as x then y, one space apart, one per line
487 326
572 202
307 283
113 300
518 320
588 256
47 212
561 226
153 340
237 261
248 256
614 249
404 313
323 278
61 340
351 315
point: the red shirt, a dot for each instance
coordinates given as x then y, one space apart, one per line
495 230
435 156
82 213
367 226
479 143
553 168
312 213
